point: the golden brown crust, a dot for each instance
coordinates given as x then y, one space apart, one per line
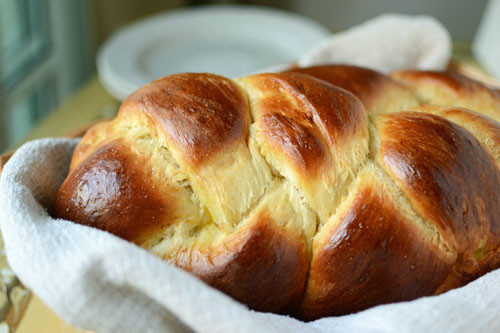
362 82
309 115
336 113
200 113
485 129
262 265
453 80
369 254
306 151
371 87
110 191
90 142
448 175
452 89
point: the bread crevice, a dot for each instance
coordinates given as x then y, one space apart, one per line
398 195
275 173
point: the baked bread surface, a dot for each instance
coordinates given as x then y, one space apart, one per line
316 192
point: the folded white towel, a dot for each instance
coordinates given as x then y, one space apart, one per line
387 43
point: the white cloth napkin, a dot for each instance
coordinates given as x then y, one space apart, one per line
97 281
387 43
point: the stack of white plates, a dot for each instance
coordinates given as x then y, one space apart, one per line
226 40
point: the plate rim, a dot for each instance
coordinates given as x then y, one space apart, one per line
120 87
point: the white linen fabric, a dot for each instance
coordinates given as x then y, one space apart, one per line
387 43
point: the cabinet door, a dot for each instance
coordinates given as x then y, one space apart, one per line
45 53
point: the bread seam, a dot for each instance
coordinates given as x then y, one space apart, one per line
275 173
404 201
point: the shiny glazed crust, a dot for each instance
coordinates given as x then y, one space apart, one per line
316 192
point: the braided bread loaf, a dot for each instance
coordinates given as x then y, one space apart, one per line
308 192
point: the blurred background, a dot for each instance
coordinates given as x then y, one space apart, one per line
48 47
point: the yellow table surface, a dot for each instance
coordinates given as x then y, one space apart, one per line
39 318
89 104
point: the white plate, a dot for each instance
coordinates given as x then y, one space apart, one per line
226 40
